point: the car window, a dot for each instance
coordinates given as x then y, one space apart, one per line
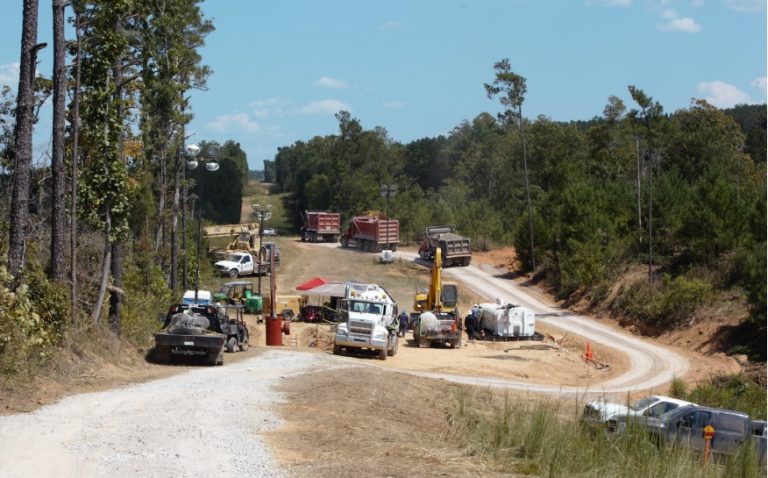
730 422
697 419
643 403
660 409
246 259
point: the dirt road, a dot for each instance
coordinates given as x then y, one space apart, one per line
649 365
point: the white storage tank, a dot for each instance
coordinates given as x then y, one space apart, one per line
507 320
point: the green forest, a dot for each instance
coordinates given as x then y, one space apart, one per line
102 236
680 196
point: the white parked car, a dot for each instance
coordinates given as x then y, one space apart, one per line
600 411
269 231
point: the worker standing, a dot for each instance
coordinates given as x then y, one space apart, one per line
470 324
403 324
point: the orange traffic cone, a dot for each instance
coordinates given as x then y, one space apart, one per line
589 351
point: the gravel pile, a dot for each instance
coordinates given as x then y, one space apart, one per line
205 422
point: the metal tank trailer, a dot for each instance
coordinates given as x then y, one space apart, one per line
501 321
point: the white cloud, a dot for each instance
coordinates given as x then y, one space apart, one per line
722 94
610 3
268 107
746 6
328 106
395 105
676 23
331 83
9 75
390 25
761 82
235 122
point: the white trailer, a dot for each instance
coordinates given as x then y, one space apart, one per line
506 320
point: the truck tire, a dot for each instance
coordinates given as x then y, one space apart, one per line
233 274
231 345
383 354
344 242
244 345
394 248
337 350
393 350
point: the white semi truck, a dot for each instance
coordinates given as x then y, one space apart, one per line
370 321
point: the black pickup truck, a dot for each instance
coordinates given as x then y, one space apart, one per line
200 331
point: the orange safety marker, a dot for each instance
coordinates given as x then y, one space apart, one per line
709 434
589 351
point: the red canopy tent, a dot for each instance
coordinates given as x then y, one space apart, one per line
312 283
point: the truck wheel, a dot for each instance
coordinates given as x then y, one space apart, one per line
231 345
344 242
233 274
394 247
337 350
383 354
393 350
244 345
416 340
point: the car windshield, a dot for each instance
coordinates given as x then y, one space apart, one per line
643 403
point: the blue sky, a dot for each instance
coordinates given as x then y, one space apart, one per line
282 69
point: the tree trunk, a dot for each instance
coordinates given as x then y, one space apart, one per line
115 298
178 166
527 189
160 233
23 141
75 121
57 272
105 267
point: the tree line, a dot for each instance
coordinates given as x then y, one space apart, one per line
679 197
101 233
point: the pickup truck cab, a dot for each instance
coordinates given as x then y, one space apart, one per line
236 264
601 411
684 426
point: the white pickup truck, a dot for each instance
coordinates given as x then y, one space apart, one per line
239 264
600 411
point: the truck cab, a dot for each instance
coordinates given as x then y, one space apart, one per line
369 321
236 264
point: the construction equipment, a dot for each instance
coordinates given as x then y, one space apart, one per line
372 232
456 249
321 226
436 319
370 321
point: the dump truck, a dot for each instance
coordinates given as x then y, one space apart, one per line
456 249
372 232
321 226
369 317
437 322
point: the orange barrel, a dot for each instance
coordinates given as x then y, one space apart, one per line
274 330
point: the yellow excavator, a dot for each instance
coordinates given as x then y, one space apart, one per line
435 318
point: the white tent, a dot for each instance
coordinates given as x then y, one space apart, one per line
327 290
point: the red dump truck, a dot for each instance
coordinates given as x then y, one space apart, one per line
321 226
372 232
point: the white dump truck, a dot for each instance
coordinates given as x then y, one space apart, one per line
370 321
506 321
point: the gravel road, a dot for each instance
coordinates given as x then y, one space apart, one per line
650 365
204 422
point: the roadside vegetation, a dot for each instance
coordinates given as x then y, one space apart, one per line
545 437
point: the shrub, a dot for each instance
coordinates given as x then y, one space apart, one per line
25 338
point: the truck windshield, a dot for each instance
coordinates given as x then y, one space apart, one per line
364 307
234 257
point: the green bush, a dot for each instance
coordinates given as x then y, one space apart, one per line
666 304
25 337
734 392
147 294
